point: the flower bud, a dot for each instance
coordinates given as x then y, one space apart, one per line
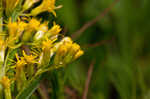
55 30
32 26
40 32
78 54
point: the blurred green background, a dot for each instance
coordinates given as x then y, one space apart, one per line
118 45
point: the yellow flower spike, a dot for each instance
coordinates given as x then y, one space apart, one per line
20 62
5 82
78 54
29 58
46 5
29 3
54 30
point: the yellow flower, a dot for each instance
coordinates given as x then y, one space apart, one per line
60 54
46 45
78 54
12 28
21 26
54 30
41 31
62 50
29 58
33 24
5 82
20 62
15 28
31 27
46 5
67 40
28 4
75 47
2 43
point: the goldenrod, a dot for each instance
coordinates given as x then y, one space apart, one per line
28 4
31 27
47 44
29 58
54 30
43 28
32 35
78 54
12 28
46 5
33 24
20 62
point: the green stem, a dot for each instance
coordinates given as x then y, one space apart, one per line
1 63
6 60
1 27
58 84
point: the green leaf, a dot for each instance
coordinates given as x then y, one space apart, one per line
30 87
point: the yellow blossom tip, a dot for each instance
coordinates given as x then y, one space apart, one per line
47 44
5 82
20 62
78 54
55 29
62 50
75 47
46 5
29 58
34 24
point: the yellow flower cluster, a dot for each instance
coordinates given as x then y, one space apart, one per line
46 5
30 43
